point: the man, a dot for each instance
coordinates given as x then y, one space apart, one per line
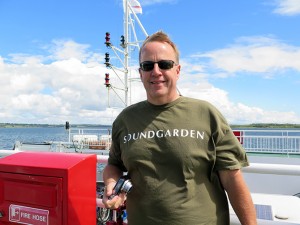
180 152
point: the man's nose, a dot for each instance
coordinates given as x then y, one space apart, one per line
156 70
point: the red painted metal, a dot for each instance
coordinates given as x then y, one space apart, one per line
47 188
239 135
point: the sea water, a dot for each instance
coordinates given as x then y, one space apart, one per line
8 136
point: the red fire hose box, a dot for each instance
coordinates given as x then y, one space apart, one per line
46 188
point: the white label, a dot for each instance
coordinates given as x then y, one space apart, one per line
27 215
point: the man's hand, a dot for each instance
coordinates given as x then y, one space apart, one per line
109 200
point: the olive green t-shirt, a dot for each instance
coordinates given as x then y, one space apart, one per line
172 153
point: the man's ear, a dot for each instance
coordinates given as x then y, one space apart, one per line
178 71
140 72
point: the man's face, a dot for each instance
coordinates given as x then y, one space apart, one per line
160 84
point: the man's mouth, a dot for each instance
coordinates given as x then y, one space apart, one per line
157 82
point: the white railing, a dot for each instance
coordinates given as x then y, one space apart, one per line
256 140
270 141
255 168
98 132
90 138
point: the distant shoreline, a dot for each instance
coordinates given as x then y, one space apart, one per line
23 125
254 125
267 125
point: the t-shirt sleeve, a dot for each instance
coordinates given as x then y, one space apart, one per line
230 154
115 159
115 155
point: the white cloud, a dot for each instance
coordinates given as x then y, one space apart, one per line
242 114
255 54
69 49
264 56
71 87
197 86
235 113
26 59
34 91
287 7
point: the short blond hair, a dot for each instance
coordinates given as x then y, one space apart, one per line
160 36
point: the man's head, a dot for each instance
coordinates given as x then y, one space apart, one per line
159 68
160 36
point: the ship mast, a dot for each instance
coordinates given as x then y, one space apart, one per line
129 41
126 52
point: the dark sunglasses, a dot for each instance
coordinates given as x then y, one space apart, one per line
162 64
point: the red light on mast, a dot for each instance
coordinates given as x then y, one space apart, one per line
107 84
107 39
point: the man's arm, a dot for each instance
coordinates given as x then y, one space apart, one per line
111 174
239 196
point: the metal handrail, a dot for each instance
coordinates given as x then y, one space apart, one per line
259 168
270 141
277 169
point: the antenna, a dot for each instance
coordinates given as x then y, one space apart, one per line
124 53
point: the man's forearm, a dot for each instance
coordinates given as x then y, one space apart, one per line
239 196
111 174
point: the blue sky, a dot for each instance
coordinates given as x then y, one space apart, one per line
242 56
